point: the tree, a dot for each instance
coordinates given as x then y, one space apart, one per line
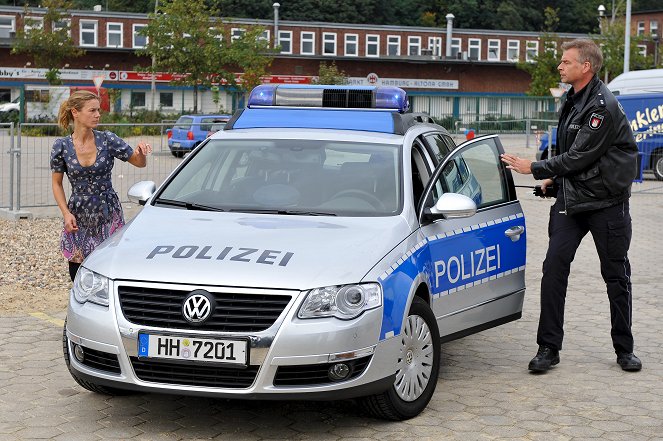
252 55
543 68
330 74
48 43
183 40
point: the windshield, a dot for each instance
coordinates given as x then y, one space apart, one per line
290 177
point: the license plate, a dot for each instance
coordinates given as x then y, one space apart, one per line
192 348
176 144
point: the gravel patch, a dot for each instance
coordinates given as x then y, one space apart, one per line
33 274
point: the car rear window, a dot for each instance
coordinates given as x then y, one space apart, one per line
184 123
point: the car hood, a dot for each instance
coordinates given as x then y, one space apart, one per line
246 250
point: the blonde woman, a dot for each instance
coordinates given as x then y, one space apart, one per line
93 211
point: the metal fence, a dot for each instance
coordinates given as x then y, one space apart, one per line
25 176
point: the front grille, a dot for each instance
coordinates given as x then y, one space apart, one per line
189 374
309 374
233 313
102 361
347 98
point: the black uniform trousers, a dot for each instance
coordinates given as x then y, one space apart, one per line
611 230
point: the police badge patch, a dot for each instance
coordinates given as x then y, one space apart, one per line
595 121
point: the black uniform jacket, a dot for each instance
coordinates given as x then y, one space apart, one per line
597 157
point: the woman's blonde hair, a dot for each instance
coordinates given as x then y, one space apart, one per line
75 101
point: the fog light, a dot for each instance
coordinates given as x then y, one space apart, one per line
78 353
338 371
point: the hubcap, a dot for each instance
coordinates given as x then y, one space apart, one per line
659 166
415 362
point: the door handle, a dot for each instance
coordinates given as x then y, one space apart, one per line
514 232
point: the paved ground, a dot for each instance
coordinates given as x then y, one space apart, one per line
484 391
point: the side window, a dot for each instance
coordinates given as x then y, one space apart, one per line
441 144
421 174
476 172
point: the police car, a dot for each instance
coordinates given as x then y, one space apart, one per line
334 242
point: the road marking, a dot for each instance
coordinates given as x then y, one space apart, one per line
48 318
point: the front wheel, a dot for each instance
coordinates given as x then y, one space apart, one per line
658 166
418 367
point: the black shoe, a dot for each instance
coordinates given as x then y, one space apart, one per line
545 358
628 361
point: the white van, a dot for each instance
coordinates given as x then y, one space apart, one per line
637 81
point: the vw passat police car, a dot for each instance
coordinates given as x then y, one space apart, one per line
332 242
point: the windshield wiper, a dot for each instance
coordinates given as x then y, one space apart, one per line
286 212
187 205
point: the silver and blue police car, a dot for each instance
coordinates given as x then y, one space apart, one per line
331 242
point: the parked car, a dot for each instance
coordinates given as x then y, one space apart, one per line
9 111
327 254
191 130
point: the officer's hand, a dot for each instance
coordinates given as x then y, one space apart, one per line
545 184
519 165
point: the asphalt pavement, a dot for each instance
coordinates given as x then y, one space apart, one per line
484 390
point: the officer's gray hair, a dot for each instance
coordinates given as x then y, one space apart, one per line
588 51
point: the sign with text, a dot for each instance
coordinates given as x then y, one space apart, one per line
373 79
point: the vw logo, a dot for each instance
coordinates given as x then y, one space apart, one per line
198 306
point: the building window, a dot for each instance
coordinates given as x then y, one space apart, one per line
31 23
351 45
307 46
653 28
493 50
264 36
372 45
235 33
114 34
551 46
474 49
435 46
513 50
7 26
642 50
641 28
88 33
285 41
455 47
62 24
165 99
139 41
531 50
137 99
328 43
394 45
413 45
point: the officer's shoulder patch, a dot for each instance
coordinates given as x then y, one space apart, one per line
595 121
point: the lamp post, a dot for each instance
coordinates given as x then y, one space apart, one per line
153 85
601 10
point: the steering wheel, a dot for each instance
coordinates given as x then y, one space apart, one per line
361 194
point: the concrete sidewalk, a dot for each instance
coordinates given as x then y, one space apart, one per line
484 390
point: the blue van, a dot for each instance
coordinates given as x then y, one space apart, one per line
191 130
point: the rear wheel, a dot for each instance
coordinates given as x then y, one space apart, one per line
92 387
658 166
177 153
418 367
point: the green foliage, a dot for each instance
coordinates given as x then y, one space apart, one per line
47 48
182 39
611 40
448 122
330 74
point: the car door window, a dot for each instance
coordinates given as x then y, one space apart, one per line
441 144
476 172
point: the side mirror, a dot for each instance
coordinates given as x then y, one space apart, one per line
451 206
141 191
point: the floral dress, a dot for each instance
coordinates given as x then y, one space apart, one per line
93 202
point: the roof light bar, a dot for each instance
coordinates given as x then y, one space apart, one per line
320 96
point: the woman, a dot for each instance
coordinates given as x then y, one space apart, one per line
93 212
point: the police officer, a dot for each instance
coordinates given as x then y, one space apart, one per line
591 174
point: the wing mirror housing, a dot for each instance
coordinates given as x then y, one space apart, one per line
451 206
141 191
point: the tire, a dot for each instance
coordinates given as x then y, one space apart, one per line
418 364
657 166
92 387
177 153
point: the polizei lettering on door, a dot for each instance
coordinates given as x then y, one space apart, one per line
233 254
468 265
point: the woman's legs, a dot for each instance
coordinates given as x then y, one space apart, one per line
73 269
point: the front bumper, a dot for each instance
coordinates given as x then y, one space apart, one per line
288 360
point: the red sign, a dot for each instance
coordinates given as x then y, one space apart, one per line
167 77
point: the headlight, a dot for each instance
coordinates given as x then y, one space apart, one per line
343 302
90 287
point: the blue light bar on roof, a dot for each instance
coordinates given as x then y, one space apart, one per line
320 96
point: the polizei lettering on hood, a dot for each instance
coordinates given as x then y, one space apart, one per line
234 254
